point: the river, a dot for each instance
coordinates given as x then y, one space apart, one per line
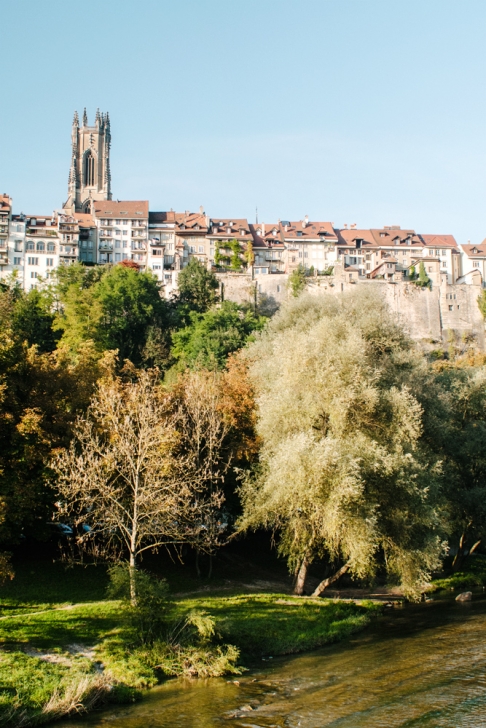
421 665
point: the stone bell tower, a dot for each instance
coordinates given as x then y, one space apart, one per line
89 175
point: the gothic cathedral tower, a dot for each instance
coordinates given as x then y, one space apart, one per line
89 176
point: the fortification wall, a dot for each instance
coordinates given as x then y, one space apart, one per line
438 315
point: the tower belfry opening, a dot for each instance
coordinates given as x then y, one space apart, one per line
89 174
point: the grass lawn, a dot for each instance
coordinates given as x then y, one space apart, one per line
56 627
472 574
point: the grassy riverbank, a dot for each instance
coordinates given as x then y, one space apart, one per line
473 574
64 646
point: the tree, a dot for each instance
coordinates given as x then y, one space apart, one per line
130 264
344 472
423 279
210 337
296 281
197 288
461 443
143 468
249 254
117 311
482 302
235 262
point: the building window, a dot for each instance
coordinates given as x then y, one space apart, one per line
30 245
51 247
192 248
49 262
33 261
33 274
156 267
278 289
475 263
201 248
17 261
451 307
89 173
368 266
117 257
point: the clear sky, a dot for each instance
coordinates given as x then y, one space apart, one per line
354 111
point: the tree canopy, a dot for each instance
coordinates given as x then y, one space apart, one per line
211 336
344 472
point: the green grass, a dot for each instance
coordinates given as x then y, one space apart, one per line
279 624
473 574
47 610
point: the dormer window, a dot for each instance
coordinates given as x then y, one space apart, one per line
299 232
474 251
382 235
274 232
242 232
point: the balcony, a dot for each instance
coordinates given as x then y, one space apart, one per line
3 259
105 246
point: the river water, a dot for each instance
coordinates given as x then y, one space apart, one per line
422 665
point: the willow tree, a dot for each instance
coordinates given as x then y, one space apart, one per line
343 473
143 469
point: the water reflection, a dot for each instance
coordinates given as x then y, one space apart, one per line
418 666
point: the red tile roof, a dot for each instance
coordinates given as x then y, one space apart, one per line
475 251
125 209
307 229
440 241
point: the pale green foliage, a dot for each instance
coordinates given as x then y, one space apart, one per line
343 470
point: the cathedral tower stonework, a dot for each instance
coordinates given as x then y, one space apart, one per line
89 175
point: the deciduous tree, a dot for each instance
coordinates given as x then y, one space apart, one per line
343 470
144 467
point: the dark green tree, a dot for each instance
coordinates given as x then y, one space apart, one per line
198 288
297 281
121 310
212 336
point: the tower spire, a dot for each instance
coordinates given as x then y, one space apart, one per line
85 117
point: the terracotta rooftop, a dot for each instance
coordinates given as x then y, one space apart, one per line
124 209
226 226
440 241
475 251
84 219
307 229
5 203
265 234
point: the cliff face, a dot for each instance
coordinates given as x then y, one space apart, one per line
439 315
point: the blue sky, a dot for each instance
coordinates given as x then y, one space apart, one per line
355 111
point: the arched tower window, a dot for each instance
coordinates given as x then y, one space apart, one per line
89 170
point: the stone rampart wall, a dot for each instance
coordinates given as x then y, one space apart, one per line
437 315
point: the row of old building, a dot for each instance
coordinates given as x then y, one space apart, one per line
32 246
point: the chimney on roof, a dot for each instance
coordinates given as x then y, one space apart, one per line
306 221
345 225
353 225
201 210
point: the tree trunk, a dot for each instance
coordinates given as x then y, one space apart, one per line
301 577
474 547
198 570
133 587
459 557
210 572
330 580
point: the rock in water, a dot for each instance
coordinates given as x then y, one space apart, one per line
464 597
